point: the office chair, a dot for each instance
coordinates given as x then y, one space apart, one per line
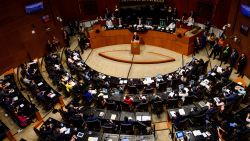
188 100
172 103
142 129
198 120
93 125
157 107
125 106
108 129
126 129
111 105
142 107
148 90
162 87
237 102
183 125
132 90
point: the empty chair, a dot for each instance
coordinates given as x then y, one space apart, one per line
125 106
198 120
188 100
93 125
111 105
142 129
172 103
126 129
108 129
157 107
182 125
148 90
142 107
162 87
132 90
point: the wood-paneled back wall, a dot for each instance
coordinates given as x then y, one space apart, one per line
18 45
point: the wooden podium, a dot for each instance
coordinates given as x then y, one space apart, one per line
135 47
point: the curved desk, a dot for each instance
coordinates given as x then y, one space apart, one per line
182 45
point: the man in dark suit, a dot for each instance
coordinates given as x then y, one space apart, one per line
241 65
233 57
226 54
215 49
197 45
136 37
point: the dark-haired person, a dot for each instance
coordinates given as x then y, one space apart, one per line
233 57
241 65
128 100
197 45
225 54
136 37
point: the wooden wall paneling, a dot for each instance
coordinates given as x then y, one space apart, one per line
17 43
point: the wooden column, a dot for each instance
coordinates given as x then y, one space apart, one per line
38 116
61 101
10 136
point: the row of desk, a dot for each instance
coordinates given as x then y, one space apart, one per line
186 110
82 135
177 41
119 116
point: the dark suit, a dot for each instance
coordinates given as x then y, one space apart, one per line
136 37
215 50
233 58
226 54
197 45
241 65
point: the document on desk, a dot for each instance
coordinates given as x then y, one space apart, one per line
204 135
92 139
139 118
172 113
113 116
39 84
63 129
197 132
101 114
105 96
146 118
182 112
67 131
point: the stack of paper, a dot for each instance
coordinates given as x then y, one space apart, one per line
146 118
172 113
92 139
105 96
139 118
39 84
113 117
101 114
182 112
197 132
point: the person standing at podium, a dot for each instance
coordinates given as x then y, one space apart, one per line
136 37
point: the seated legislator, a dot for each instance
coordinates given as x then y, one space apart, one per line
190 20
136 37
128 100
109 24
171 27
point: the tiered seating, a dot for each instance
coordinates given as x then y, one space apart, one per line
60 77
39 88
210 115
15 104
